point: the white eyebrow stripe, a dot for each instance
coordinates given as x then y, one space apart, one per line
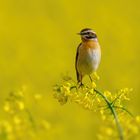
84 32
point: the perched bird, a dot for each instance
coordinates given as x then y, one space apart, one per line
88 54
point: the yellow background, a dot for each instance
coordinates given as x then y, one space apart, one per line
38 44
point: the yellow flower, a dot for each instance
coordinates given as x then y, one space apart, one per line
65 89
102 114
8 127
37 96
96 76
16 120
91 91
45 124
109 131
134 129
6 106
95 100
138 119
21 105
107 93
126 98
98 100
68 84
93 85
102 111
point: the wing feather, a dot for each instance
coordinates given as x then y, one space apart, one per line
77 73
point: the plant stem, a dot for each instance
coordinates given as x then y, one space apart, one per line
114 113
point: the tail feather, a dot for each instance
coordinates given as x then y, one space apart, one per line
79 77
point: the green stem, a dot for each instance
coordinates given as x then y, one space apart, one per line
124 109
120 130
31 119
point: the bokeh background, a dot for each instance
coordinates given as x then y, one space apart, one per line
38 44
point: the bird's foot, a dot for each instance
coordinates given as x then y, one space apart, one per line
81 85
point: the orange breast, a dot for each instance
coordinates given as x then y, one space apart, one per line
91 44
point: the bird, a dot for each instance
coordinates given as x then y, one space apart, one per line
88 54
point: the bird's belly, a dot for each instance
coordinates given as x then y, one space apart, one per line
89 61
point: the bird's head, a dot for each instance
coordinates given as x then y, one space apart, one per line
88 34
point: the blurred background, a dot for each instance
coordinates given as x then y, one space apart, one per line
38 44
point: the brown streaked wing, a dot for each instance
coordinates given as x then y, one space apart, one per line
77 74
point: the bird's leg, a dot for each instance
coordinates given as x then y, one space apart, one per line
80 84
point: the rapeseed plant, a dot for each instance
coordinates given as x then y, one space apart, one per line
20 123
117 121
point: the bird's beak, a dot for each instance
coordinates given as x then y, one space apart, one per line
78 33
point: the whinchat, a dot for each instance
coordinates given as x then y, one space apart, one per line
88 54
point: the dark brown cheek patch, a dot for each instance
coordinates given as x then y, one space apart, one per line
90 37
